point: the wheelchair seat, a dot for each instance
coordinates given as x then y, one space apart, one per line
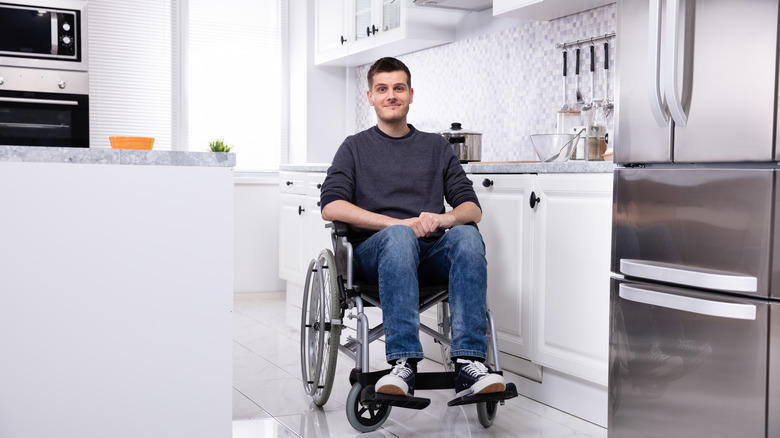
330 291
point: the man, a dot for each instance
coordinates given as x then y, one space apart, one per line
389 184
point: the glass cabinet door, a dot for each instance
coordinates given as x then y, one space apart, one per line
391 14
362 20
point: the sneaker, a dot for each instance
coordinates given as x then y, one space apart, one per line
474 378
400 381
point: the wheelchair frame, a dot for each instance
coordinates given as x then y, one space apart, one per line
329 292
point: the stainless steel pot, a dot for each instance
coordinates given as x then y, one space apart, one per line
466 144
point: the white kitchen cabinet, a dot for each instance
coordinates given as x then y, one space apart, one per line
571 261
291 225
301 228
543 9
330 38
506 231
357 32
548 267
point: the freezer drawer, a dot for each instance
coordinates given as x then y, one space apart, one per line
686 364
705 228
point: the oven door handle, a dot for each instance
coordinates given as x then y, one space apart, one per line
688 276
55 29
717 309
43 101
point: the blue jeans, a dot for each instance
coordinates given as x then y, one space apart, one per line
397 261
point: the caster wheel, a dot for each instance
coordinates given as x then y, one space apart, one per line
364 418
486 413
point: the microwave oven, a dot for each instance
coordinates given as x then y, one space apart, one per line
47 34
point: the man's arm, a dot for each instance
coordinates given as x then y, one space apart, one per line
423 225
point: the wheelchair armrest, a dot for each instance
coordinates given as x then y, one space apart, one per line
340 229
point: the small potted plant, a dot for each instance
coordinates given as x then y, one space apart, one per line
219 145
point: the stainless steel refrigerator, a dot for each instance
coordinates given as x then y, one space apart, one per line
695 299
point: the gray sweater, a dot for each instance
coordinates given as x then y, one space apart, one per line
398 177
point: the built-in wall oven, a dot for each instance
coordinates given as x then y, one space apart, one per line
43 107
44 83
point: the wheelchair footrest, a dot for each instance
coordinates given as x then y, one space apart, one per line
509 392
369 396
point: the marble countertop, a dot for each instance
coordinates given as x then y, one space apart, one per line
503 167
37 154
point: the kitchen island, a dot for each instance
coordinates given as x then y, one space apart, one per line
115 293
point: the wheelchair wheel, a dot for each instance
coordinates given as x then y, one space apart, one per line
486 413
364 418
319 338
443 326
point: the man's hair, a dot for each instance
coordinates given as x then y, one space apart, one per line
387 65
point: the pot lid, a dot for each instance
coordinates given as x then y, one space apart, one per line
457 129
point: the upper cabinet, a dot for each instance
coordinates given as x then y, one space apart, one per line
357 32
543 9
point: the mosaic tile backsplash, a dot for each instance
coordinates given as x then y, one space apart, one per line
506 85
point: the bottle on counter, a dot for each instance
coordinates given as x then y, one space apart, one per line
595 143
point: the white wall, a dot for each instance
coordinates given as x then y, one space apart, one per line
318 95
256 242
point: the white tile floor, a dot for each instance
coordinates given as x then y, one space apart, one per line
269 401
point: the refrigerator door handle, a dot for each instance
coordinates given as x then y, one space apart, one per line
673 99
657 106
717 309
707 279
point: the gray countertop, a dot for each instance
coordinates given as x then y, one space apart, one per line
534 167
36 154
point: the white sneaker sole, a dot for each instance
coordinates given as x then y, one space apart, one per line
486 385
391 385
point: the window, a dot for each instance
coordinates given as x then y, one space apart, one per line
131 52
226 77
237 79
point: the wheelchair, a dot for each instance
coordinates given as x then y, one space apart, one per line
329 293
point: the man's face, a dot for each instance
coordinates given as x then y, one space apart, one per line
390 96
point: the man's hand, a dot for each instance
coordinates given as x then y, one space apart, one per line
428 223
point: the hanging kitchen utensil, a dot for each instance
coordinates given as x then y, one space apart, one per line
565 106
589 105
578 94
607 104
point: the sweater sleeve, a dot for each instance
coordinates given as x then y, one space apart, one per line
339 183
457 187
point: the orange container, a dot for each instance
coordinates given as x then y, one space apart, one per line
144 143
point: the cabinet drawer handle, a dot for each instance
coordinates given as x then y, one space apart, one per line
534 200
487 183
300 210
289 183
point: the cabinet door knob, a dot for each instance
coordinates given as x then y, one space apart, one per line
289 183
487 183
300 210
343 40
319 186
534 200
371 30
